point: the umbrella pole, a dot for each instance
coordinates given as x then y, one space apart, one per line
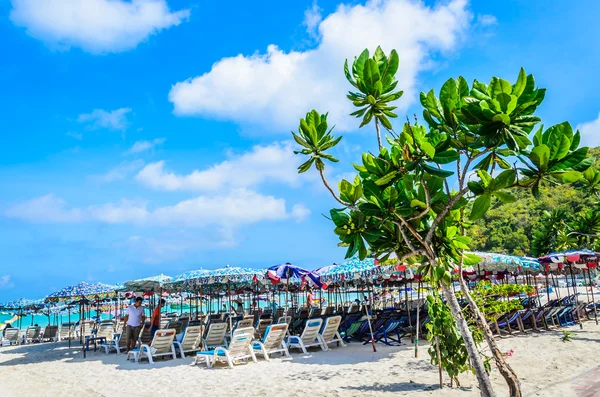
229 293
575 294
418 312
547 285
555 287
593 300
287 290
407 305
70 325
370 327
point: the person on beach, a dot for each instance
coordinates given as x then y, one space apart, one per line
6 326
134 319
155 319
309 297
239 311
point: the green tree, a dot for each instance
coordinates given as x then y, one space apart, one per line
401 202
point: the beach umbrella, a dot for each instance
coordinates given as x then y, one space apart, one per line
147 284
81 290
287 272
352 269
229 274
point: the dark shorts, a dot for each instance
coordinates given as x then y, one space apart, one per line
154 329
132 333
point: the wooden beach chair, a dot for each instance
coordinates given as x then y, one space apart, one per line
239 349
191 341
273 342
215 336
66 331
310 337
11 336
162 345
329 332
32 334
50 334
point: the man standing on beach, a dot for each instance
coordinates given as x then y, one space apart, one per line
155 319
135 320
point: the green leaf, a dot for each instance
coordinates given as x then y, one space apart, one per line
519 87
571 160
476 188
371 73
445 157
384 180
505 179
505 197
480 206
576 140
449 95
471 259
393 62
339 218
359 64
499 86
440 173
540 156
390 195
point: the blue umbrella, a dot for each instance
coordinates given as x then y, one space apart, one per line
147 284
351 269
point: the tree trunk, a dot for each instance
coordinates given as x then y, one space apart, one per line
507 372
378 134
485 385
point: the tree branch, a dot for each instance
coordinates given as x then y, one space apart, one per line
427 203
339 200
443 213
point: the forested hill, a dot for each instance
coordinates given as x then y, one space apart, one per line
509 228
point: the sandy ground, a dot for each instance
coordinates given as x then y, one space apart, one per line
546 366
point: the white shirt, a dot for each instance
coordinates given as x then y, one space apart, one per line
135 315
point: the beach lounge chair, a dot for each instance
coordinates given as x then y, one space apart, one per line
162 345
310 337
215 336
11 336
66 331
191 341
329 332
50 334
273 341
240 348
261 327
32 334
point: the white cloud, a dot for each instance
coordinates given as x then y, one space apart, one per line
96 26
486 20
5 282
142 146
312 19
275 88
590 132
120 172
236 208
47 209
99 118
272 163
75 135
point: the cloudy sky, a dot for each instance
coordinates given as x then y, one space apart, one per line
153 136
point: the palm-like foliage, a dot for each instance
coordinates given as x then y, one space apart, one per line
375 80
315 139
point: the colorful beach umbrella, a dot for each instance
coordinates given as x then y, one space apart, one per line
81 290
229 274
500 262
289 272
147 284
352 269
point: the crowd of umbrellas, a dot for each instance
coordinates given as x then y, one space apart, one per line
221 285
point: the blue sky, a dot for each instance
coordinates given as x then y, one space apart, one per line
149 136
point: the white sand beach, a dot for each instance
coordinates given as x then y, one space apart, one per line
546 365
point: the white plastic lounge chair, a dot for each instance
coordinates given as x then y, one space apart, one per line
310 337
66 331
191 342
240 348
162 345
215 336
32 334
11 336
273 342
105 333
329 333
50 334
